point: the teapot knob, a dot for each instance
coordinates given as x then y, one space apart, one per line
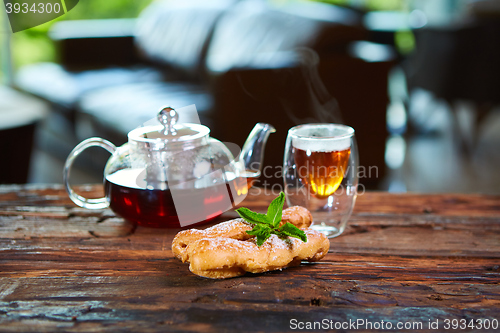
168 118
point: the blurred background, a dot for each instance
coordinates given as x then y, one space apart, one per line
419 80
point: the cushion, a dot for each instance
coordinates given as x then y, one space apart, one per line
175 33
254 30
125 107
53 83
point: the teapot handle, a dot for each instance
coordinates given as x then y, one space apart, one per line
78 199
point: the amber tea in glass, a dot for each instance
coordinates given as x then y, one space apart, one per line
320 173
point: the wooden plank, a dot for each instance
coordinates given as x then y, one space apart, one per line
404 258
387 240
372 202
371 209
478 285
213 317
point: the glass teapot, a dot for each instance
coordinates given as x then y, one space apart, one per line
173 175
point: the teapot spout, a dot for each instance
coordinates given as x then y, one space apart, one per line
252 153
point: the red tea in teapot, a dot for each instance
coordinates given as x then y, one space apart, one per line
157 208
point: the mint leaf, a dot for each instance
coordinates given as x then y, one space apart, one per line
252 217
290 230
262 232
275 210
266 224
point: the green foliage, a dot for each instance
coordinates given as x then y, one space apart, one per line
385 4
405 41
370 4
30 47
99 9
336 2
34 45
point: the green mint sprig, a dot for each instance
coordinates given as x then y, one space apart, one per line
266 224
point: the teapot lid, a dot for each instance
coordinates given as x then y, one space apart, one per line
169 134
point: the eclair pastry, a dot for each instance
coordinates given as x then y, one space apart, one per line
226 250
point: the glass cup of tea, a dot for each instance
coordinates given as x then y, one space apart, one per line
320 173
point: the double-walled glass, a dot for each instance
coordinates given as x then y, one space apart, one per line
321 173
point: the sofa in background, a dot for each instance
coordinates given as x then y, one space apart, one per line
239 62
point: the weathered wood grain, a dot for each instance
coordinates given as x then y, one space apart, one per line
404 258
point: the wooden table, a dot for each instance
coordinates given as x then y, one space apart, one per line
405 260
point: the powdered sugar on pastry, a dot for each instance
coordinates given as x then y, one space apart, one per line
226 250
222 257
236 229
